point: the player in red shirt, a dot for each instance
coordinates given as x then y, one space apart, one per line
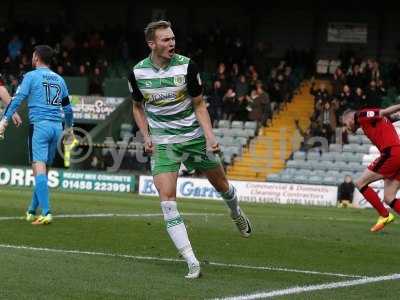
377 126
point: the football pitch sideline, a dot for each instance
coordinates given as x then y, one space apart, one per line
115 246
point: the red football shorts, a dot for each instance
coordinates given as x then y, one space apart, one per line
388 163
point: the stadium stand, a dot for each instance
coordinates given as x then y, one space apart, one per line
331 167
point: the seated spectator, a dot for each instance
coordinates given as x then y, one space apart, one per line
327 117
356 79
339 80
319 94
346 99
381 88
313 131
373 97
346 192
360 99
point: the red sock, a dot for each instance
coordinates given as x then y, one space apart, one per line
373 198
395 205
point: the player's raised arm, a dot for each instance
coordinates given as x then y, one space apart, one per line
386 112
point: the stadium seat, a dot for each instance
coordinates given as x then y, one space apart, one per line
224 124
227 140
338 166
290 171
327 156
218 133
349 148
364 148
319 173
338 156
356 157
286 177
241 133
237 150
355 167
315 180
314 156
237 124
225 131
365 140
354 139
329 180
357 175
347 156
250 132
293 164
241 140
274 178
359 131
228 159
299 155
335 147
250 125
332 173
300 179
305 172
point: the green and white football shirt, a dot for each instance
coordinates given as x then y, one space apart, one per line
167 96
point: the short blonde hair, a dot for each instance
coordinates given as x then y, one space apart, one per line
150 30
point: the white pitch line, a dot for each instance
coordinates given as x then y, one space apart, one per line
111 215
217 264
311 288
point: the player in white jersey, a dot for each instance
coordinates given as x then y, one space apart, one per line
170 112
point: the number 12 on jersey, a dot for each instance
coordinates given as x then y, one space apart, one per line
53 93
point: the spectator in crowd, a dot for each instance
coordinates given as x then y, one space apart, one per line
320 94
326 116
96 83
346 192
230 104
313 131
215 102
338 81
373 95
356 78
346 98
14 47
360 99
259 105
241 87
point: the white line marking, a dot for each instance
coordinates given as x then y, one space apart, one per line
111 215
217 264
310 288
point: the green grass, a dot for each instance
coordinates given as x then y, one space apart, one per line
296 237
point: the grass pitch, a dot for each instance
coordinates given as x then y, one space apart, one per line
115 246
